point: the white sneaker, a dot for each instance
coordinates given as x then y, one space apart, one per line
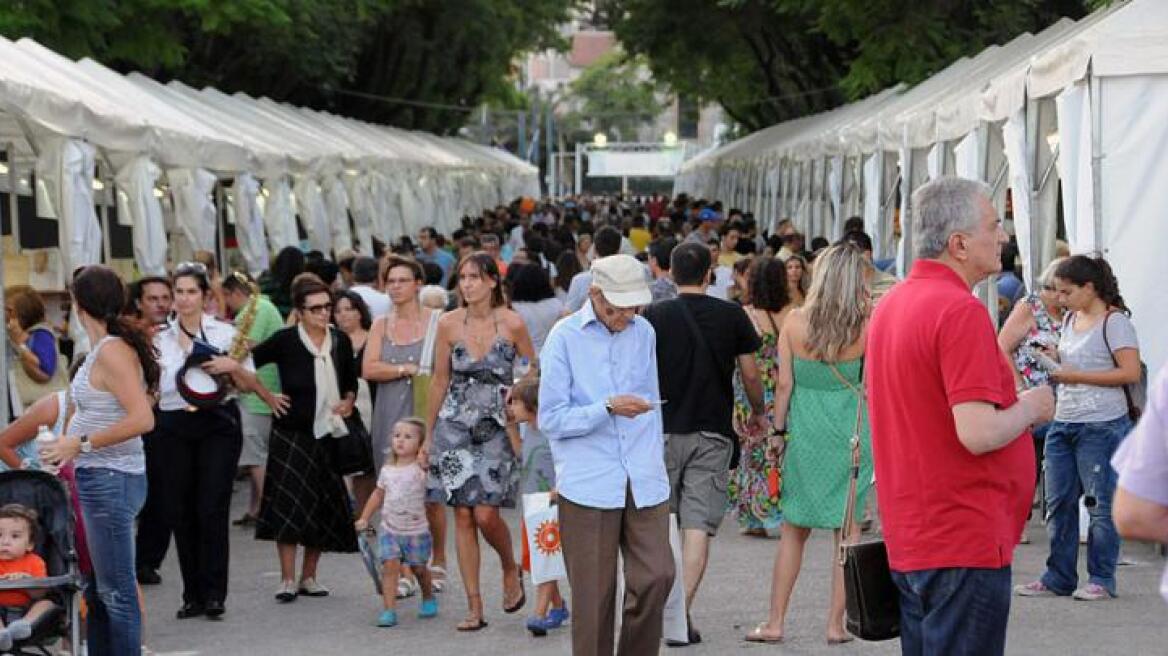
1091 592
286 592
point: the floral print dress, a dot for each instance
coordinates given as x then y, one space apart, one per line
754 486
472 459
1046 332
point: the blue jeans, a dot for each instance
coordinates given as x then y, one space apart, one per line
110 500
956 611
1078 463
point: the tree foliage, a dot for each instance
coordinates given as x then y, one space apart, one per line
339 55
767 61
613 95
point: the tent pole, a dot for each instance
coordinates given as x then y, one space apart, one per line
1097 158
9 158
106 250
220 228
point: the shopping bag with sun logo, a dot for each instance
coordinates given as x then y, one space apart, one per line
542 525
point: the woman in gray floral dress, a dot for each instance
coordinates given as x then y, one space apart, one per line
468 452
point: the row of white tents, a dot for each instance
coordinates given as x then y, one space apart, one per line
1077 110
185 161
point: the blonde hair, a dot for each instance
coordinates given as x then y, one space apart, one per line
416 422
433 297
839 301
1047 277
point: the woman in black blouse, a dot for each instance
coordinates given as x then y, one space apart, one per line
304 501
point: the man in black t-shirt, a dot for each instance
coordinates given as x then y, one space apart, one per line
700 339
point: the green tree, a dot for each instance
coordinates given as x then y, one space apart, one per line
767 61
613 95
361 58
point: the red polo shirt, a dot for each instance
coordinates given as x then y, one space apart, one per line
931 345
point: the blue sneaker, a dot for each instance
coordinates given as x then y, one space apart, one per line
387 618
538 626
557 616
428 609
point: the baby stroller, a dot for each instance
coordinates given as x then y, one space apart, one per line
46 494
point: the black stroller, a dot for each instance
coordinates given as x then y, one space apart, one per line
47 495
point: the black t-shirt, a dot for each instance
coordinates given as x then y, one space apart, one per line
700 394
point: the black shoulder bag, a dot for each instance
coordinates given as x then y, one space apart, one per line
702 346
872 599
352 453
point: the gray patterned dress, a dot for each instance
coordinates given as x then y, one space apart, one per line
472 458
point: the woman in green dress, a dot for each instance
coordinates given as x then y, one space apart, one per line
821 350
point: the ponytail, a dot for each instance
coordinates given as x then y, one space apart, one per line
1082 269
135 336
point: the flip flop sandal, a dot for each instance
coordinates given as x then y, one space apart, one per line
520 602
466 628
757 636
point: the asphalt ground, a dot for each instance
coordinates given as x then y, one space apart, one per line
733 598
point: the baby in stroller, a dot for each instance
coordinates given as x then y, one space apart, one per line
19 609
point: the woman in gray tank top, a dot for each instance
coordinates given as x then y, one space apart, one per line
392 356
111 393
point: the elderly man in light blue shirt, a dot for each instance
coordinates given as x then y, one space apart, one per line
599 406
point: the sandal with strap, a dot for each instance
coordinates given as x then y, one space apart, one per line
437 578
518 603
757 635
472 622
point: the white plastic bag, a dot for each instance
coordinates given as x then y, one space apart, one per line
542 521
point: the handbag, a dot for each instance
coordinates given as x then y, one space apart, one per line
353 453
871 598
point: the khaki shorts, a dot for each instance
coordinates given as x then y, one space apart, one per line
257 430
699 471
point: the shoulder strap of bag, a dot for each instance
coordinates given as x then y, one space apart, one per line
848 536
696 334
1132 411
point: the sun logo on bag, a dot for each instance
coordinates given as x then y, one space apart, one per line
547 537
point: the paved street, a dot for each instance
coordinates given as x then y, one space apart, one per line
732 600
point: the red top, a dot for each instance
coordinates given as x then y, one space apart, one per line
30 564
931 345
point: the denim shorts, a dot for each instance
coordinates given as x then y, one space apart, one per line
412 550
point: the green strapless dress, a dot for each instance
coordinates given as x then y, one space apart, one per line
819 432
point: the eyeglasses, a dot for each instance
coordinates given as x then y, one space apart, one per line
317 309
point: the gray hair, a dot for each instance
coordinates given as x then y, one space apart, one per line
1047 277
942 207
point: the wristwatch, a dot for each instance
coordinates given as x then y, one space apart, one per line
608 406
86 445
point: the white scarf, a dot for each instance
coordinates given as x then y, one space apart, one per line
324 374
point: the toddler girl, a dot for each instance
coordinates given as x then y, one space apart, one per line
538 476
18 526
405 535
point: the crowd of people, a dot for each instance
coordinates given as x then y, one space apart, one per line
644 361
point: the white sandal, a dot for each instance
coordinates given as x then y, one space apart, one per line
438 584
406 588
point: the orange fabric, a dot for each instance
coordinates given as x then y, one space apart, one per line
526 552
30 564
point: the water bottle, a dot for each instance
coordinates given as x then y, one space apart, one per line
44 438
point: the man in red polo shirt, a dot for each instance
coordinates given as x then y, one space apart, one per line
954 480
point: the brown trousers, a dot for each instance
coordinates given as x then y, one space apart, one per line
591 538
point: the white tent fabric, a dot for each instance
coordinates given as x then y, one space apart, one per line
249 223
1014 137
138 204
279 216
336 202
310 207
1074 119
194 210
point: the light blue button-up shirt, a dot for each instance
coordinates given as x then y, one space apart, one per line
582 365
